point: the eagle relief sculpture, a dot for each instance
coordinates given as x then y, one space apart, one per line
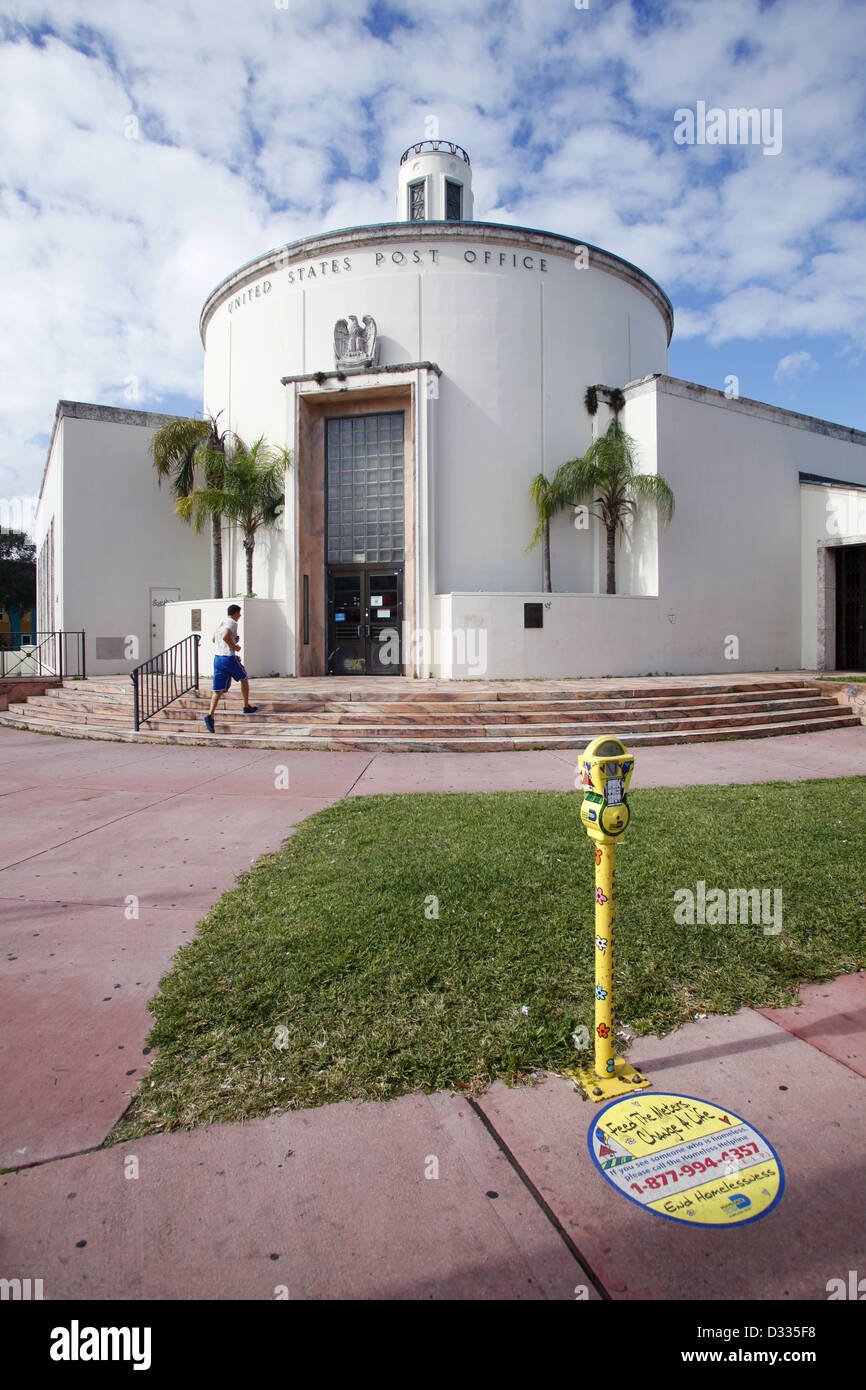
355 343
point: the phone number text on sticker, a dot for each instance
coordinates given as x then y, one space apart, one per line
686 1159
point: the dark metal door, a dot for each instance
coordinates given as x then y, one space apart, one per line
851 608
365 620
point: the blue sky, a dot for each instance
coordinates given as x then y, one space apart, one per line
148 148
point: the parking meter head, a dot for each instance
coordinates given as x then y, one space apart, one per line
605 768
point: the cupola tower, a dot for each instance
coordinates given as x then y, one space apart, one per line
435 183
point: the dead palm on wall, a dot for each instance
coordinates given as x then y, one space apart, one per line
250 493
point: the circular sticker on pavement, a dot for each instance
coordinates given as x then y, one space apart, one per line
686 1159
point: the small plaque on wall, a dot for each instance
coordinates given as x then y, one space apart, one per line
533 615
195 619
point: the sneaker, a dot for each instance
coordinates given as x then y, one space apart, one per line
251 709
208 723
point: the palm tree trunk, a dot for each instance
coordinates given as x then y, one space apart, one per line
217 558
611 559
249 547
545 559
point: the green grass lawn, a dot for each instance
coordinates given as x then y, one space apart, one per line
324 974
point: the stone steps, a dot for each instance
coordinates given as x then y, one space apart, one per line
300 739
341 726
280 694
329 715
53 709
588 706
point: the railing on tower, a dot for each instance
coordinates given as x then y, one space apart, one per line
56 655
435 147
165 677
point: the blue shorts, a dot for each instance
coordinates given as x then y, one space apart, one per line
225 670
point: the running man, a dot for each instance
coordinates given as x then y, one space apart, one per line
226 666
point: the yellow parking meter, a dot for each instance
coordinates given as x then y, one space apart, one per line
604 771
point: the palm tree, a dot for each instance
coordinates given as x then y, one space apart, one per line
183 450
250 492
608 475
547 503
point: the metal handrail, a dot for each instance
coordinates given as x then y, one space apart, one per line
48 649
435 147
164 678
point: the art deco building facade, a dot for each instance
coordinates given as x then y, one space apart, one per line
422 372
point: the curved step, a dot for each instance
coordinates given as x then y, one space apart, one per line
393 714
304 739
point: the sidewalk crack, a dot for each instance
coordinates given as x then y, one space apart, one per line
537 1197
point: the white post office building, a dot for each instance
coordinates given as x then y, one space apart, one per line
422 372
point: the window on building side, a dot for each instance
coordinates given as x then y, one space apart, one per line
416 202
45 582
453 201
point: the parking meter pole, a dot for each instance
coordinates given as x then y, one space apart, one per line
604 918
605 770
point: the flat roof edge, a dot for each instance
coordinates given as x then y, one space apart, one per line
87 410
818 480
710 395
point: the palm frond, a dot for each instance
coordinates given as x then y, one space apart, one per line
608 473
174 450
246 486
652 488
547 504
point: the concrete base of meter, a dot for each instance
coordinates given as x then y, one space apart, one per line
625 1079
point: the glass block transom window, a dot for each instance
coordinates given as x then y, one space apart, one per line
364 478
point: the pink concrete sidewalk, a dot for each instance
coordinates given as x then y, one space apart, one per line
341 1202
111 853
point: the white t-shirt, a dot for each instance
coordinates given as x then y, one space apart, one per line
222 646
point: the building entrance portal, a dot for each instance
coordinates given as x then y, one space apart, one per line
851 608
365 620
365 530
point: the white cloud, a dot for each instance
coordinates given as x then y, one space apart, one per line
259 125
794 364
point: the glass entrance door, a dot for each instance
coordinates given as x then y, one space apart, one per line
851 608
365 620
